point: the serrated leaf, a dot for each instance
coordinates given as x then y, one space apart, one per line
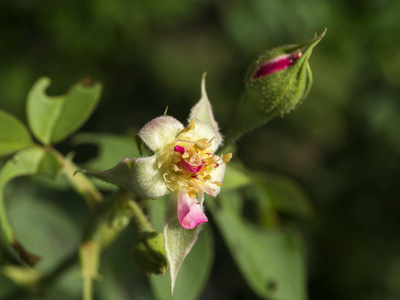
178 240
272 262
13 134
52 119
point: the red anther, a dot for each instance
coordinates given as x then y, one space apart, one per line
190 168
179 149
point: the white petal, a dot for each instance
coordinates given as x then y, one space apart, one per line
160 131
216 174
202 111
204 130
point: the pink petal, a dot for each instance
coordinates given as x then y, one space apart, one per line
190 212
190 168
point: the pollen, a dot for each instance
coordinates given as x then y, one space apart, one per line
188 163
226 158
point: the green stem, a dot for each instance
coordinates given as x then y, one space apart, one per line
88 289
246 118
79 182
142 222
93 233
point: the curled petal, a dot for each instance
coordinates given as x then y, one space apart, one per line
157 133
190 211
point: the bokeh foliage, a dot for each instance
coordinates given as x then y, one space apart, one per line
342 145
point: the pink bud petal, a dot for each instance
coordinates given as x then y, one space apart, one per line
190 212
277 64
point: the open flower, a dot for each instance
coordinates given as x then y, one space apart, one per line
184 162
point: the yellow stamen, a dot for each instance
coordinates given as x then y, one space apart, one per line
190 169
226 158
188 128
207 177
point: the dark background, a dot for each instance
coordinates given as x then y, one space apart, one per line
342 145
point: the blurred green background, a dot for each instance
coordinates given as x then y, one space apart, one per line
342 145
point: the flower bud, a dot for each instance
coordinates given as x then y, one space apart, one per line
277 82
150 254
280 78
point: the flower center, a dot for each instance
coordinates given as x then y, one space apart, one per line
188 163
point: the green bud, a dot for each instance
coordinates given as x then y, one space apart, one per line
150 253
276 83
280 79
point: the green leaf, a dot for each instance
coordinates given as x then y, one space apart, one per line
284 194
272 262
25 162
178 240
46 228
52 119
112 148
234 177
9 288
13 134
194 272
113 288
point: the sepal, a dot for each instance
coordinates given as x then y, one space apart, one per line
202 112
140 175
178 240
